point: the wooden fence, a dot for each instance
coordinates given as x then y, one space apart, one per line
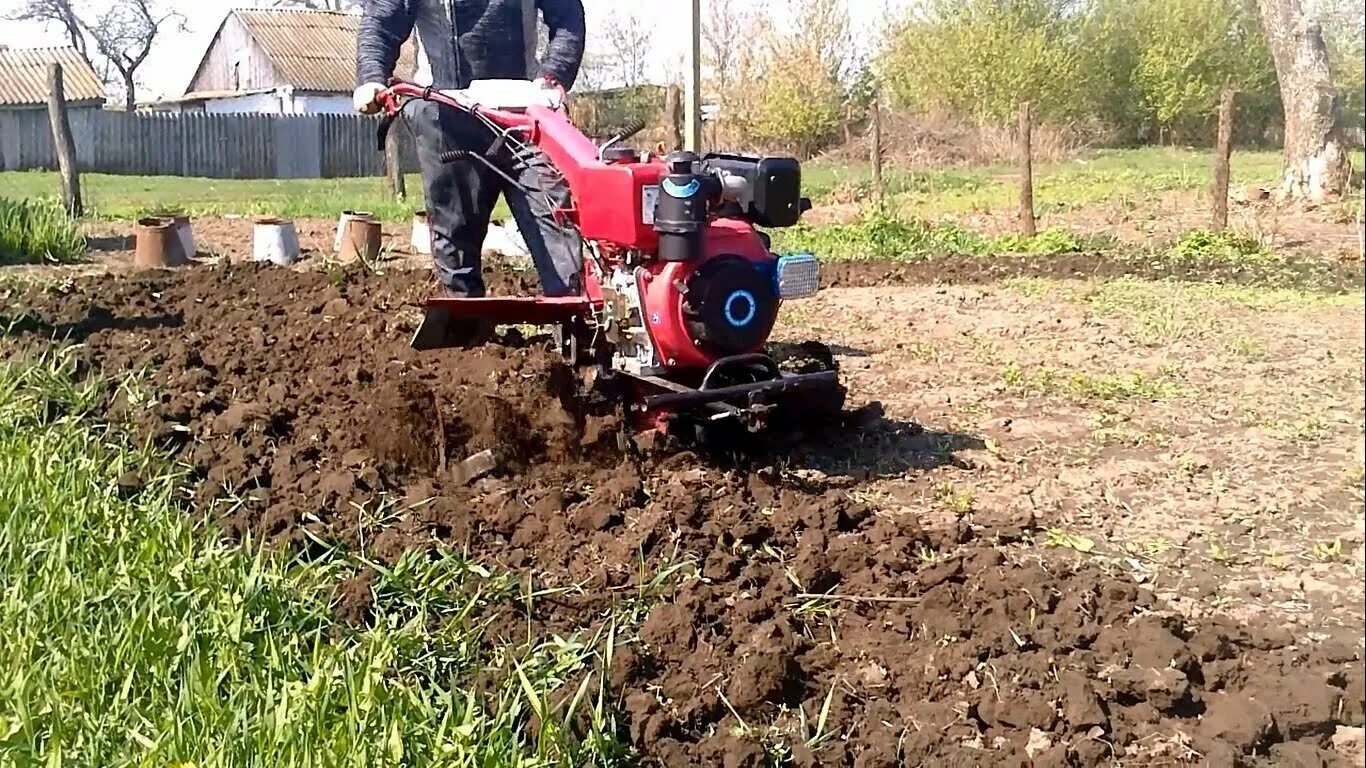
230 146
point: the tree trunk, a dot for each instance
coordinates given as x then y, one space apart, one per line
1316 163
130 95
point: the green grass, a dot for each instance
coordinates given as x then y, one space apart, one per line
1132 297
1105 175
127 197
37 232
1102 176
133 637
884 237
1080 385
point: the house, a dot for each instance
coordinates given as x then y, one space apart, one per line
278 61
23 79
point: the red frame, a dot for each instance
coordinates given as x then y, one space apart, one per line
602 218
599 216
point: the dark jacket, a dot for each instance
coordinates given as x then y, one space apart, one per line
490 35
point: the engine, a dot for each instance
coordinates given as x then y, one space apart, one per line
714 288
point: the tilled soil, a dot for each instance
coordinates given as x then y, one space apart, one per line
305 417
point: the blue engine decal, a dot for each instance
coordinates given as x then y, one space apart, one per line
751 308
682 193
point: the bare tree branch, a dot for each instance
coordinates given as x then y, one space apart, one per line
629 39
320 5
115 39
61 13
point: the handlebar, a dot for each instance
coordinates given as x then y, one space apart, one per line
392 100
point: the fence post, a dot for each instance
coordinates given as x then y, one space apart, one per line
1222 152
62 142
393 167
879 188
1029 225
673 114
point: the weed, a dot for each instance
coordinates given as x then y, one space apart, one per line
1050 242
958 501
1275 560
1249 349
1203 246
1354 476
1060 539
37 232
1084 386
1222 555
1327 552
1309 429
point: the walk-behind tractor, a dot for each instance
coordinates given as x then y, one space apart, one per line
681 290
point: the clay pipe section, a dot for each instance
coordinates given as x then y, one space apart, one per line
158 244
360 241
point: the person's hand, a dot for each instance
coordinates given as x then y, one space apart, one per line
366 98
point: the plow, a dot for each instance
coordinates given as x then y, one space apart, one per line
680 289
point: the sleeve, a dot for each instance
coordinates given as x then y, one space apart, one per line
568 33
384 26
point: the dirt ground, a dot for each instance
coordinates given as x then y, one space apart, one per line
1066 522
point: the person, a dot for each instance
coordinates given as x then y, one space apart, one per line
460 41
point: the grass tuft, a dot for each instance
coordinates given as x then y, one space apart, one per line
38 232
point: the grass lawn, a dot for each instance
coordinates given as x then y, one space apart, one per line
1104 175
134 637
127 197
1132 174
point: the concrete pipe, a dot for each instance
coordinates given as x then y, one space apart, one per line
158 246
347 217
422 234
361 241
275 241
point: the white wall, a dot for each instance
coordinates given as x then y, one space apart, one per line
282 103
322 104
260 103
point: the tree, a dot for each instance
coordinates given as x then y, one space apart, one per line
981 58
801 89
117 38
1317 167
722 38
124 35
629 38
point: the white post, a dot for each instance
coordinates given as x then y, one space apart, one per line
530 34
692 98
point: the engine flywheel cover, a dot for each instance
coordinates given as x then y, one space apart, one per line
730 306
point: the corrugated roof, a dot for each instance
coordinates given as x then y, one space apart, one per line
312 50
23 76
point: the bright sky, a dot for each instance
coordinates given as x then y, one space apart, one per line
171 65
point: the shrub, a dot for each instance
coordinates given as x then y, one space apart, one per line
1204 245
37 231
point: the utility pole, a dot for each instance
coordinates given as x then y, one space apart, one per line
692 108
